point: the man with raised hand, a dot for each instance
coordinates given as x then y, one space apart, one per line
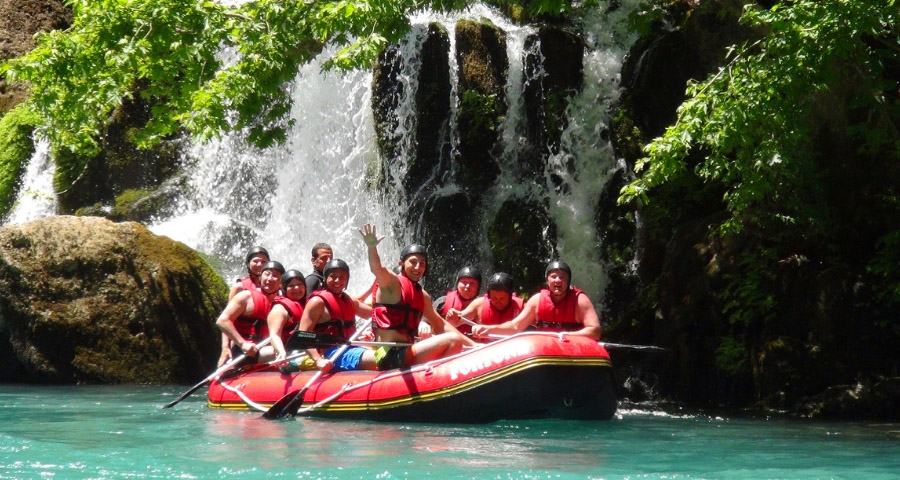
401 304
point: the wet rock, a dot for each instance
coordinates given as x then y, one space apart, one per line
86 300
20 20
864 400
658 66
119 167
522 237
428 155
554 73
483 66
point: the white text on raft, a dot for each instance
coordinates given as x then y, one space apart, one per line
474 365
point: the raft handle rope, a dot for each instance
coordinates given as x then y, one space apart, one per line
246 400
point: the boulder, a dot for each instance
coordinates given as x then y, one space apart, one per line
87 300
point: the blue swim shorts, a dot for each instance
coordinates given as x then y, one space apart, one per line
349 360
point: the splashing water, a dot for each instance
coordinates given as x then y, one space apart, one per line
36 197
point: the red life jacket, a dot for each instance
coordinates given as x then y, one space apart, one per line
492 316
342 311
295 311
247 283
560 317
249 325
453 300
404 315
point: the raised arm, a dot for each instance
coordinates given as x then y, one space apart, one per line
388 285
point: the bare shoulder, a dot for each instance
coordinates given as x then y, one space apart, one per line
584 301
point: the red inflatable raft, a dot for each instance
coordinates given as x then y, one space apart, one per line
528 375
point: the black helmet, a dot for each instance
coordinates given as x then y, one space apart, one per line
411 249
558 265
291 275
254 251
469 272
500 281
335 264
273 265
414 248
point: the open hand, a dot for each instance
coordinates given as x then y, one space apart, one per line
369 235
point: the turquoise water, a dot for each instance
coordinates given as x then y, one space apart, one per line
121 432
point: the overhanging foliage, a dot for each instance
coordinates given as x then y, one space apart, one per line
748 126
168 51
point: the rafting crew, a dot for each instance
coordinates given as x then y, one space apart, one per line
557 307
242 317
332 311
401 304
283 318
401 310
499 304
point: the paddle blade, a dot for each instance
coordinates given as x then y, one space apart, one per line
185 394
286 405
301 340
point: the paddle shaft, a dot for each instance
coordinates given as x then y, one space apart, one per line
218 372
469 322
603 344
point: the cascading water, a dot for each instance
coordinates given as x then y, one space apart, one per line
311 189
586 160
323 183
36 197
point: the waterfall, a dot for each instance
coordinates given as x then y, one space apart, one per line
36 197
586 160
288 198
316 187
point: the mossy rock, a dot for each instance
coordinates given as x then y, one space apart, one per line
86 300
483 67
120 166
16 146
522 237
432 100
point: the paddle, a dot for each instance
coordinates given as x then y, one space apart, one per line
291 402
497 336
218 372
468 322
301 340
633 347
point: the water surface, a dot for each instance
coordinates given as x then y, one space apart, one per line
121 432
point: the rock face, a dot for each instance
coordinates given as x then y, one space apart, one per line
86 300
446 189
19 21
